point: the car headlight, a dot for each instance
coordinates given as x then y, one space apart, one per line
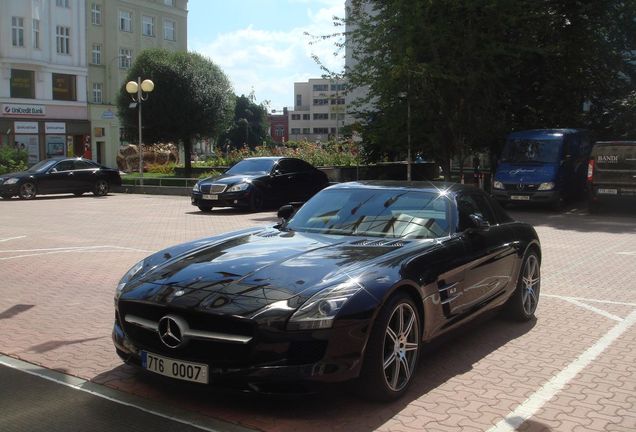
320 310
134 270
546 186
197 187
497 185
238 187
12 180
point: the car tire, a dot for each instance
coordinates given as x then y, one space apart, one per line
205 208
557 205
523 303
101 188
78 194
593 207
27 191
256 201
393 350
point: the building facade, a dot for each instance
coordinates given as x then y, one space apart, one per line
279 126
319 110
117 31
43 76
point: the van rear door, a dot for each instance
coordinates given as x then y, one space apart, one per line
614 163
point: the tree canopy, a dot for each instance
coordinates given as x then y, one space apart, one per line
249 125
473 70
192 98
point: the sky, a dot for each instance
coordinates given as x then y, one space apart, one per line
261 45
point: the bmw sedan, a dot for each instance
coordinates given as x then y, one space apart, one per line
349 287
57 176
256 182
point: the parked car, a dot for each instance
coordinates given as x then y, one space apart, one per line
542 166
350 286
255 182
59 175
611 173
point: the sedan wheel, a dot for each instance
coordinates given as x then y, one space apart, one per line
101 188
27 191
205 208
256 201
393 350
523 303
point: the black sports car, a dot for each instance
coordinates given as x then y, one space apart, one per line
59 175
350 286
255 182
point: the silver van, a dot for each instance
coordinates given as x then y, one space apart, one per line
611 173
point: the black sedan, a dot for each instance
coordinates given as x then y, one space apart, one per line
350 286
255 182
59 175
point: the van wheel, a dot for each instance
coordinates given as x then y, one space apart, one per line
557 205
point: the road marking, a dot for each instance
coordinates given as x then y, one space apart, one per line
589 307
186 417
537 400
11 238
627 253
51 251
588 300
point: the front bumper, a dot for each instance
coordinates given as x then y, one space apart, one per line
511 196
612 192
9 189
225 199
319 356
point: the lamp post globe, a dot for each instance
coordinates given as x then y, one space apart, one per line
131 87
147 85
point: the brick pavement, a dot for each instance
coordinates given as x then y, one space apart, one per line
60 259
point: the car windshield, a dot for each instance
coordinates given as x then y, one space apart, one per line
393 213
252 166
530 150
42 165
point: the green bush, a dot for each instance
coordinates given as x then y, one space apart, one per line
12 160
167 169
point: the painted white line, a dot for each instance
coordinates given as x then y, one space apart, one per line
11 238
52 251
537 400
82 385
590 308
626 253
72 248
589 300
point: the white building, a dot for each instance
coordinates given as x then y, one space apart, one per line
319 110
43 75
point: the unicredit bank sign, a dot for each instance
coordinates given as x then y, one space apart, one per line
23 109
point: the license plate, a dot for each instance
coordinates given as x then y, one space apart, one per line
173 368
520 197
607 191
211 197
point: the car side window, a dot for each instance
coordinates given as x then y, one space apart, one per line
288 166
66 165
469 204
82 165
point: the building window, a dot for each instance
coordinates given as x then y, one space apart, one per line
125 21
337 117
169 2
148 25
36 34
295 116
279 131
63 39
168 30
306 117
64 87
63 3
22 84
321 116
306 130
321 87
337 87
97 54
17 31
299 100
321 130
125 58
321 101
338 101
295 131
97 93
96 14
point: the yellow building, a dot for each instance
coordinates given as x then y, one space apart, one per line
116 32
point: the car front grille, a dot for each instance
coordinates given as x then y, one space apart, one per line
213 188
521 187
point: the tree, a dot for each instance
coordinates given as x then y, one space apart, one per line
249 125
192 99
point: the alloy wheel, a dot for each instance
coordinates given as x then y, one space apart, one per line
401 343
27 191
530 281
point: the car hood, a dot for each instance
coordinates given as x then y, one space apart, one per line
246 272
518 173
231 179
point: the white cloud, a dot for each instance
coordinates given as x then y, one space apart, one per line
271 61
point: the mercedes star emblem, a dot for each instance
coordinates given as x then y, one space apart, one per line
172 331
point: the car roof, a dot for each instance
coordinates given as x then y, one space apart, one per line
427 186
613 143
274 158
533 133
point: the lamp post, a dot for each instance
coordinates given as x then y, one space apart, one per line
408 128
139 88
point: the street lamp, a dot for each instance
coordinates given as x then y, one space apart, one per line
139 88
408 129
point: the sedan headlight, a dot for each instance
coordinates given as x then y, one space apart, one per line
238 187
197 187
12 180
128 276
320 310
498 185
546 186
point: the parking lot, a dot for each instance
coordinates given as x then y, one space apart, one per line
573 368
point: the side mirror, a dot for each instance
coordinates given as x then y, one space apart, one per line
275 173
285 213
478 222
53 170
